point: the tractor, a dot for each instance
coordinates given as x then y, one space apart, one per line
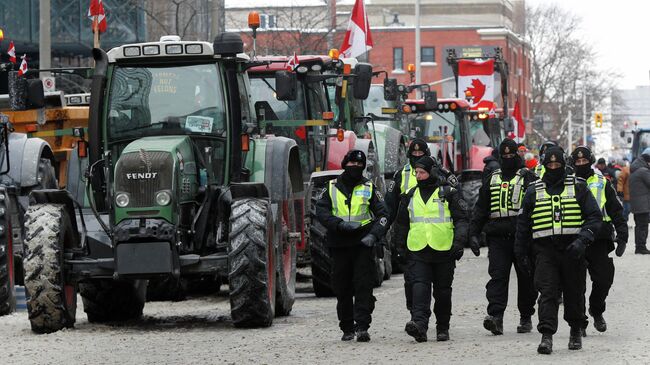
180 182
309 114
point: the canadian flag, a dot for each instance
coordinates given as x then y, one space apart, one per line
96 9
357 40
12 52
293 62
23 66
477 78
519 134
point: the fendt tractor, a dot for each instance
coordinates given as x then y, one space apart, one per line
180 182
324 136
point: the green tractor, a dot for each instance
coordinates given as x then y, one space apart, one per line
180 184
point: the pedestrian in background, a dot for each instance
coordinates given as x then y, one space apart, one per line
431 226
640 200
623 189
353 211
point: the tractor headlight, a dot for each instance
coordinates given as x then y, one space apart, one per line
122 200
163 198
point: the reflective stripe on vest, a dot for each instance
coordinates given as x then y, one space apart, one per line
359 208
539 171
506 196
430 223
596 184
408 179
556 214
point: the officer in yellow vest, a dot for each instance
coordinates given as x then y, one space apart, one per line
353 211
539 170
495 213
559 219
403 181
599 264
432 224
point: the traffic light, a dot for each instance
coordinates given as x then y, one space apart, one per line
599 120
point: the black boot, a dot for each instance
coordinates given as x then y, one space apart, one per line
363 336
575 339
442 335
546 346
599 323
641 250
493 324
347 336
525 325
415 331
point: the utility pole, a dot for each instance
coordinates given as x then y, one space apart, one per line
418 73
584 114
569 133
44 38
218 15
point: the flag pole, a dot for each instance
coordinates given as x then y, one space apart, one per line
96 31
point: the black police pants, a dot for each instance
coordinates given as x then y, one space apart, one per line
353 278
641 221
601 271
501 257
556 273
408 286
440 275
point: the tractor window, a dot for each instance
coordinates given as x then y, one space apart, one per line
434 126
644 142
263 89
376 101
145 101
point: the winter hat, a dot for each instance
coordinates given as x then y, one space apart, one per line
354 155
554 154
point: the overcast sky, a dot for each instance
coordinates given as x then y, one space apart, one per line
619 32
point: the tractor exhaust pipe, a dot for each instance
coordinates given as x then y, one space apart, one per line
95 139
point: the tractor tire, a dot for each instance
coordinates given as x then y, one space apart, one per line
286 275
168 288
51 302
321 262
7 267
107 300
251 258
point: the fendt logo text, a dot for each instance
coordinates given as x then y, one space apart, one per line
141 175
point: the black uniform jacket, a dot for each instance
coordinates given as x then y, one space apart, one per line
591 215
458 210
330 221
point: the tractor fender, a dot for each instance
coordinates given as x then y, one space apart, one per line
24 157
282 168
57 196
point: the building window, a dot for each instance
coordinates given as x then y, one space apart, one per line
267 21
428 54
398 58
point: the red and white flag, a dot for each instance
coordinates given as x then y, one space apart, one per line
23 66
477 78
519 133
357 40
293 62
12 52
96 9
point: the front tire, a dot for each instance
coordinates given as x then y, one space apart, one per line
251 258
51 302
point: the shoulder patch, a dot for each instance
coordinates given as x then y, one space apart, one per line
379 196
322 193
391 186
383 221
452 180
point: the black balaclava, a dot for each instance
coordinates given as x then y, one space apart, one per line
417 144
430 165
509 165
352 175
583 171
554 154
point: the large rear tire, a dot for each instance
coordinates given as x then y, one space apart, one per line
7 281
321 262
107 300
251 257
51 302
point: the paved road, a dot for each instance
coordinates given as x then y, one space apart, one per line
198 331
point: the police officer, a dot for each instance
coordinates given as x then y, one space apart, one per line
353 211
496 213
432 226
539 170
559 219
403 181
599 264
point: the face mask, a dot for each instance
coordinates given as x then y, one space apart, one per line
354 172
583 171
509 163
414 159
553 176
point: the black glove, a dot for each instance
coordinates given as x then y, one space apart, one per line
457 251
576 250
348 227
620 246
475 245
369 240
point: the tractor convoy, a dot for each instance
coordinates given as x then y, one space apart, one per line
192 162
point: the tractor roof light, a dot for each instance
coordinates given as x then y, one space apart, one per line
340 135
316 67
334 54
302 69
347 69
440 107
328 115
453 106
410 67
406 108
253 20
